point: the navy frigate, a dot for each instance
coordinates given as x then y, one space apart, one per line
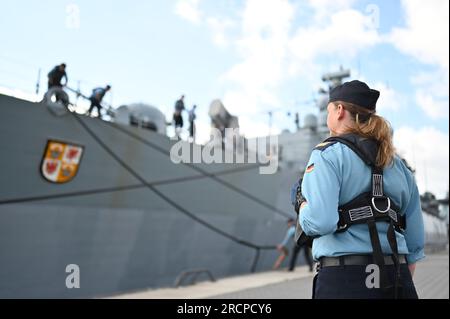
105 197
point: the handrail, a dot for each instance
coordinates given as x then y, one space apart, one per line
194 272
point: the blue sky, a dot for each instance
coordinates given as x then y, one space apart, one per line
254 55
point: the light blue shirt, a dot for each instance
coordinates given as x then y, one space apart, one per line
338 176
289 234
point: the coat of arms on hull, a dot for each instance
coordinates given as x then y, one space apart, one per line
60 161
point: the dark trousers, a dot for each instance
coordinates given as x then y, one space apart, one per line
178 119
50 85
95 103
191 129
295 252
349 282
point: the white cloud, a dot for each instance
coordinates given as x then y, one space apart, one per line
248 102
434 107
20 94
219 28
426 38
427 151
435 81
203 130
330 5
251 128
432 93
270 54
189 10
262 46
426 35
345 36
390 99
325 8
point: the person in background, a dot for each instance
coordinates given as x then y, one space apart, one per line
177 115
96 98
192 118
55 76
308 256
283 247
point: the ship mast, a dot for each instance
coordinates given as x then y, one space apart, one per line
333 79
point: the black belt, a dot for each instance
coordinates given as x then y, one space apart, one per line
356 260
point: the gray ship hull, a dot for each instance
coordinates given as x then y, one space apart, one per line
131 219
121 234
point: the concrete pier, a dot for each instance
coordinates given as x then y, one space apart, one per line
431 280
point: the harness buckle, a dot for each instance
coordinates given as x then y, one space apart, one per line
379 210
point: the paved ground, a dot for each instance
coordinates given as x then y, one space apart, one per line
431 277
431 280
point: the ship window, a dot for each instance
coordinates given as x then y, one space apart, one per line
134 121
150 126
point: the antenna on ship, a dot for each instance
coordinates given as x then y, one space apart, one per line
270 121
297 104
38 81
335 78
78 92
297 121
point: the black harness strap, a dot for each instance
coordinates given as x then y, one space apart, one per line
392 240
371 207
368 156
378 257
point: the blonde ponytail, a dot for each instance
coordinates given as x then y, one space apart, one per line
370 125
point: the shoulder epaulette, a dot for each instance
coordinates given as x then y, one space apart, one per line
365 148
322 146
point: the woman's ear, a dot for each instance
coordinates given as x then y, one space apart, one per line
340 111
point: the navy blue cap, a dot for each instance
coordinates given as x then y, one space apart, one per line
355 92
